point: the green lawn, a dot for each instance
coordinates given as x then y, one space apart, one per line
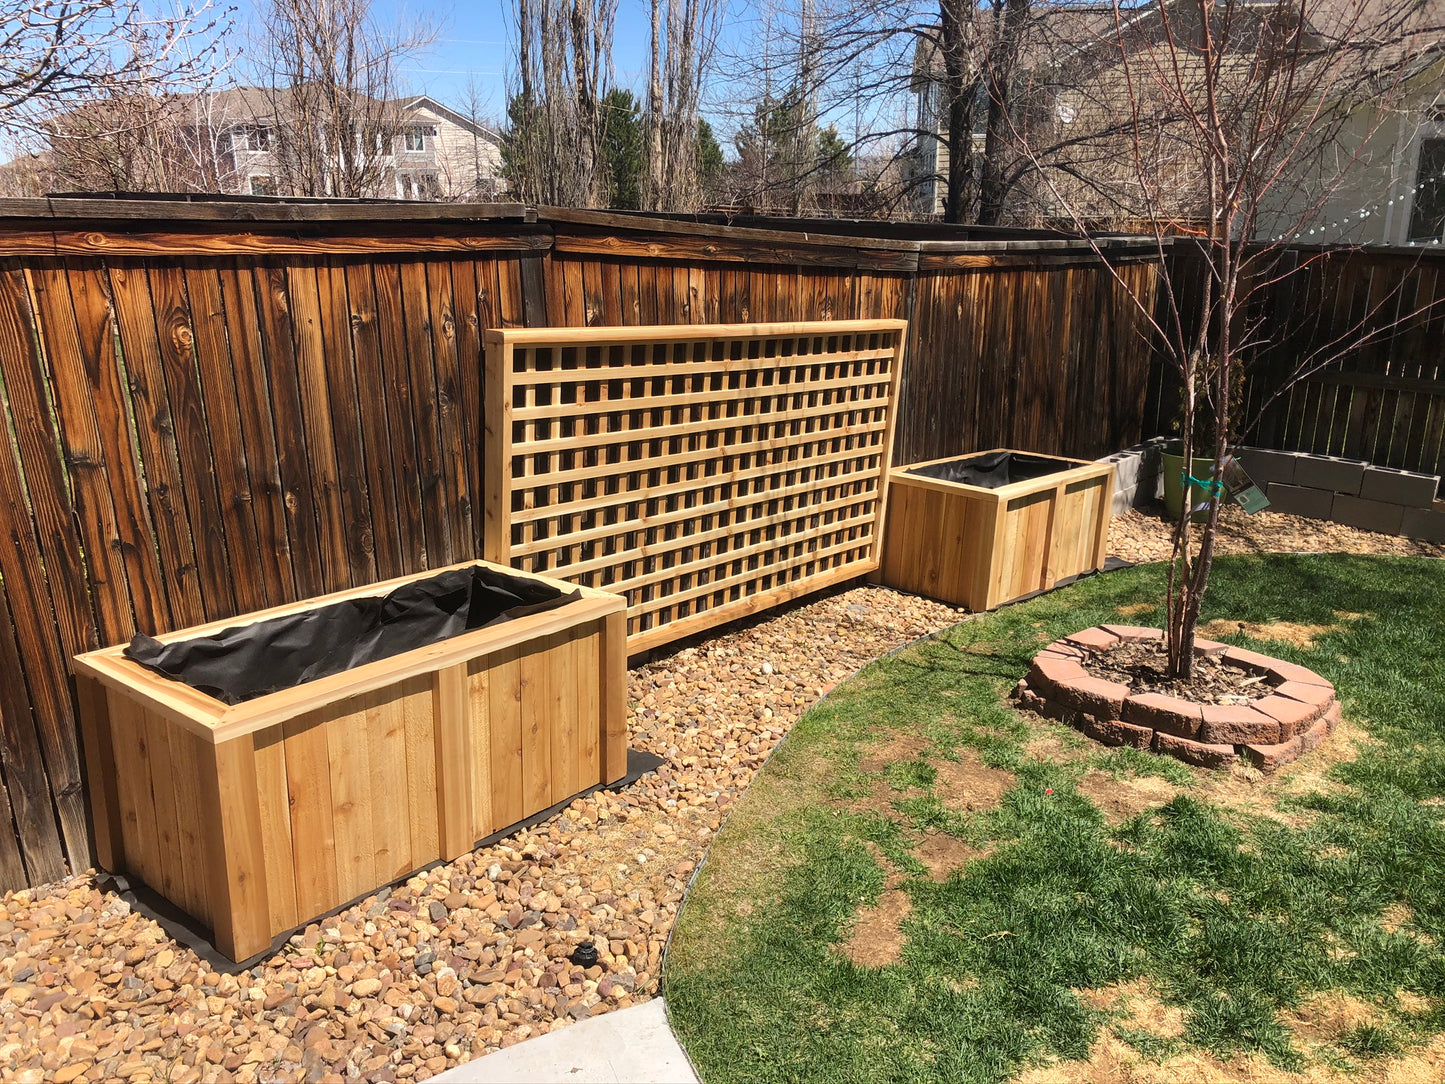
1045 901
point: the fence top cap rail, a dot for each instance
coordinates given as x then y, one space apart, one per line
124 207
660 332
217 722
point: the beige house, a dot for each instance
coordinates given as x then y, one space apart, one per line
438 154
1381 179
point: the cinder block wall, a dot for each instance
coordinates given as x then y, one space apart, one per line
1347 491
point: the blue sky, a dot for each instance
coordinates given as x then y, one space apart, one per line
475 46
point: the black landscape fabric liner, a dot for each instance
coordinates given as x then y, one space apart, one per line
240 664
994 470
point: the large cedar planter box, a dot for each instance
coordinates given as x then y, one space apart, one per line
259 815
984 529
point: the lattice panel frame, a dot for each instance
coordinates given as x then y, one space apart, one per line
704 471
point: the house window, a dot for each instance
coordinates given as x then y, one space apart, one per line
415 137
257 137
1427 217
428 186
262 185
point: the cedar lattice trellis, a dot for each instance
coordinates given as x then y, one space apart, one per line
704 471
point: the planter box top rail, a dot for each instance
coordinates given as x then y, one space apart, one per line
217 722
1072 470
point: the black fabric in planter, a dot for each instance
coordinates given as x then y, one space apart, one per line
994 470
239 664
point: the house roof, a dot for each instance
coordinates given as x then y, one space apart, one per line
461 120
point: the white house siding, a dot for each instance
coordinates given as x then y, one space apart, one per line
1372 168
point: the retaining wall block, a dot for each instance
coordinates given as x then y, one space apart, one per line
1265 465
1424 523
1367 515
1399 487
1299 501
1329 472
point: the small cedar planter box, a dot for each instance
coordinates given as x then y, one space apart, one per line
983 529
256 816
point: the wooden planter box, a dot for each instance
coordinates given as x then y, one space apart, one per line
980 547
256 817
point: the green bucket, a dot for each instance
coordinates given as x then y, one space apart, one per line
1172 464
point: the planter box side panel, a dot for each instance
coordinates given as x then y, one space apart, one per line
538 726
347 798
1022 547
937 543
1082 513
160 774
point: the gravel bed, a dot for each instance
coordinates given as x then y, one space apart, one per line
1144 536
472 956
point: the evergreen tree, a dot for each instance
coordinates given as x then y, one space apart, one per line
622 149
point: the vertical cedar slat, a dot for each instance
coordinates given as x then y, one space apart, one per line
505 693
372 393
231 819
308 783
97 333
426 416
274 797
189 426
258 433
455 800
338 556
359 526
470 312
294 466
223 428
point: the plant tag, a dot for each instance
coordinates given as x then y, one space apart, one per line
1240 488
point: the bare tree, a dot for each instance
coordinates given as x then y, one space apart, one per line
332 109
684 35
58 55
1248 97
552 150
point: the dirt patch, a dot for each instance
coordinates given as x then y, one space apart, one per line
1053 749
1329 1016
943 854
1395 917
1285 632
900 745
969 784
1246 790
1126 797
1136 1005
1134 608
877 940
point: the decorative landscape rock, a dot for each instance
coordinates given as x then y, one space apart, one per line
393 990
1296 712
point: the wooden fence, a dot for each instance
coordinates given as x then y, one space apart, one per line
1349 357
217 407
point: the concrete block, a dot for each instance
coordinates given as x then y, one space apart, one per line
1265 465
1424 523
1399 487
1329 472
1367 515
1299 501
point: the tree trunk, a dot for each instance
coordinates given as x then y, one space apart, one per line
1002 58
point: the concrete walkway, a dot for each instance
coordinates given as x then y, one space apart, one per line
630 1046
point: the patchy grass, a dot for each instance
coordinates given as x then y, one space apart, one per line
926 885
